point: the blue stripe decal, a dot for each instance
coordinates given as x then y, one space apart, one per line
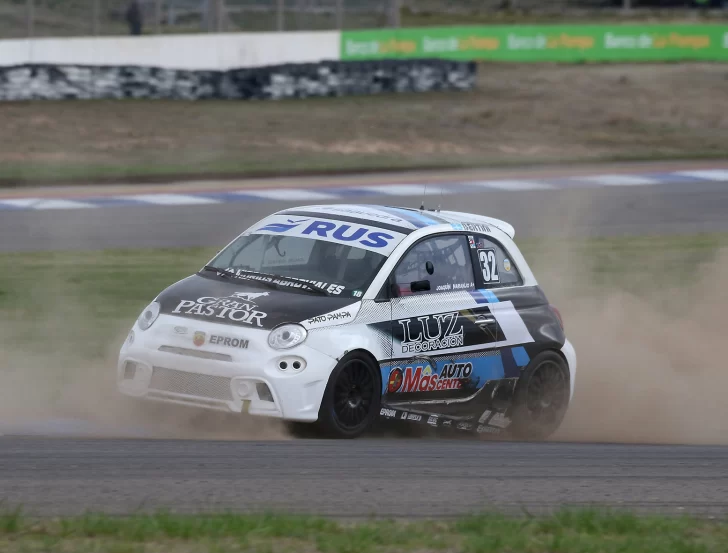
489 295
417 218
484 296
520 355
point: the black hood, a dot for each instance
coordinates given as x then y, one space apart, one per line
244 303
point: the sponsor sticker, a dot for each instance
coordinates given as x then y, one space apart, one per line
475 227
180 330
330 317
240 307
389 413
294 282
422 378
228 342
432 421
507 265
443 333
362 236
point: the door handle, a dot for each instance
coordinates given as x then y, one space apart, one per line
483 320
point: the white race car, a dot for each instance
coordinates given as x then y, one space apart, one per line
337 317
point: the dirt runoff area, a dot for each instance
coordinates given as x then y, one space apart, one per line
519 114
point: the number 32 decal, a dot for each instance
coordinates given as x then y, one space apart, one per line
488 265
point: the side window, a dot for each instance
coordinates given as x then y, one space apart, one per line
495 267
443 260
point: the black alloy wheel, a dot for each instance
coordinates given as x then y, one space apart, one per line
542 397
546 394
353 394
352 398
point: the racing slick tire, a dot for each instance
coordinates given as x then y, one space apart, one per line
351 400
541 398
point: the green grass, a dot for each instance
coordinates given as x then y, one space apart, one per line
578 531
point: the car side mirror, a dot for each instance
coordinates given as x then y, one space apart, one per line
420 286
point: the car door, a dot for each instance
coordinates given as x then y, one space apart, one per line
443 336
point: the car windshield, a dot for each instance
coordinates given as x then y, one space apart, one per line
339 269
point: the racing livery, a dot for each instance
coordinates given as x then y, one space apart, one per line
338 317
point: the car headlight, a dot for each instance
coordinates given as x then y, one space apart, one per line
286 336
149 315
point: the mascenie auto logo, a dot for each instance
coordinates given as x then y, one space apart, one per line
423 378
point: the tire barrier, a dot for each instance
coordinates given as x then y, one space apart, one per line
325 79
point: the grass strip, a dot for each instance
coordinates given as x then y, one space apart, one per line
517 115
567 531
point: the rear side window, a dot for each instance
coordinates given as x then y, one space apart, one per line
496 268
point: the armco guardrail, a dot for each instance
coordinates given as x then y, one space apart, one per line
59 82
546 43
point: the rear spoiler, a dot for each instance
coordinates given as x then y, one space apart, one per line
497 223
501 225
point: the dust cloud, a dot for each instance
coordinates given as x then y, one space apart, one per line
651 366
650 363
55 381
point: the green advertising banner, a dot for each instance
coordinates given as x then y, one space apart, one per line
545 43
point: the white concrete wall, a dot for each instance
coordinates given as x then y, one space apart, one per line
194 51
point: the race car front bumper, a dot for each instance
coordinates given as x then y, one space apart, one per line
233 369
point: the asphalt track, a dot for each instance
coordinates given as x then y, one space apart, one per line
599 211
384 477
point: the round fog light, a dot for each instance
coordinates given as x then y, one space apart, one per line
244 389
283 365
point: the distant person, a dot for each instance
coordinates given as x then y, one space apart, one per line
134 17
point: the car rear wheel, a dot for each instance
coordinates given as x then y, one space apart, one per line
351 401
541 398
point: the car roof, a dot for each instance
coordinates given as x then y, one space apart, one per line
407 218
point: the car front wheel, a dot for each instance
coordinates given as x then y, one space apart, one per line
351 401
